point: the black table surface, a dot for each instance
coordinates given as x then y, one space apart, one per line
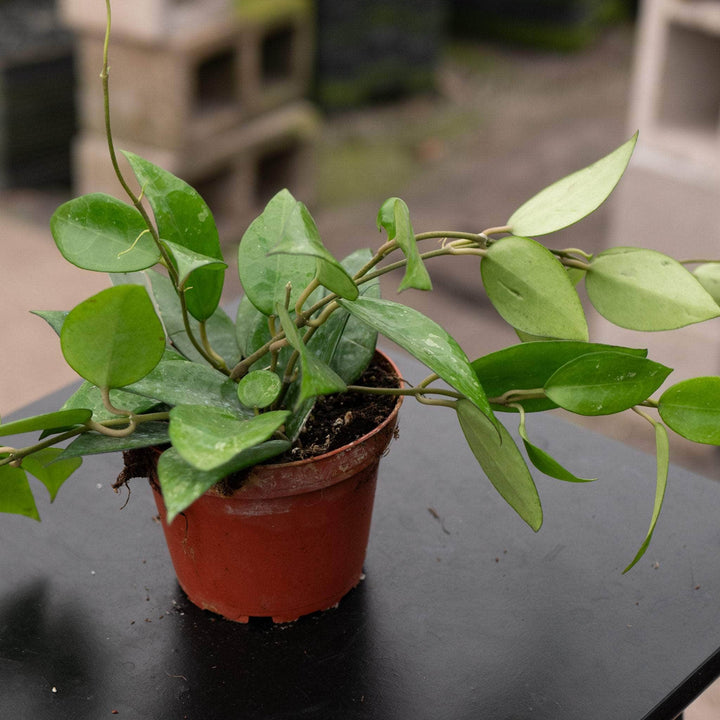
465 613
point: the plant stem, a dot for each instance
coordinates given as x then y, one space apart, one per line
136 200
497 230
416 391
19 454
516 395
217 361
440 234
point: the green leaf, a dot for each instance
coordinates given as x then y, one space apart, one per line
182 483
530 365
54 318
316 378
49 469
264 277
573 197
502 462
186 383
219 327
259 388
531 290
344 342
300 237
708 276
251 328
16 496
187 261
663 464
184 218
208 437
692 409
113 338
147 434
98 232
643 289
89 396
544 462
424 339
394 216
604 383
48 421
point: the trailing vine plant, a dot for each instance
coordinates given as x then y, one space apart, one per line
163 363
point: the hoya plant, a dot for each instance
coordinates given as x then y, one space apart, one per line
164 365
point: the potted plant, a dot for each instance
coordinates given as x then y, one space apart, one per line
216 411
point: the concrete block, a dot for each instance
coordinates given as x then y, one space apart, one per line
667 204
277 52
672 205
180 92
675 98
236 172
172 96
147 20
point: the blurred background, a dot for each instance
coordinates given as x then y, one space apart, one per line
465 108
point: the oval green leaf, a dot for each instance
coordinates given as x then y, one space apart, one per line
530 365
259 388
645 290
264 277
184 218
604 383
300 237
572 198
209 437
61 419
692 409
531 290
502 462
98 232
113 338
174 382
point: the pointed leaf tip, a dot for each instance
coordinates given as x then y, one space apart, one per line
572 198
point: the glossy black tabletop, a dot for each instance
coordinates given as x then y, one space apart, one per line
465 613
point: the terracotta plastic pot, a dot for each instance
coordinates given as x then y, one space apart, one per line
290 541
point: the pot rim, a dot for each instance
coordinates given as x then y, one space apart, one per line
278 479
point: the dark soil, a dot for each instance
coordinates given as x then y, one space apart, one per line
336 420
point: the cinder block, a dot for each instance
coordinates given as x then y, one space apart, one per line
148 20
178 93
237 172
672 205
668 204
277 52
675 99
172 96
